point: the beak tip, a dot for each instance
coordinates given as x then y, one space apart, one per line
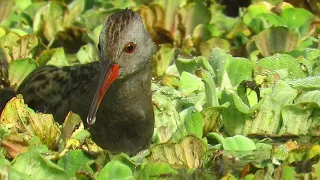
91 121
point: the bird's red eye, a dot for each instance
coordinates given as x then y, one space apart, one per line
130 47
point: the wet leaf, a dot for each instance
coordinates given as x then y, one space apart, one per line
49 20
154 170
162 59
190 83
19 70
274 40
167 118
24 119
35 165
230 71
15 46
284 65
296 17
297 119
87 53
115 170
188 152
75 161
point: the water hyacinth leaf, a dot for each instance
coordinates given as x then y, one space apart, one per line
192 65
263 117
288 172
166 116
2 32
211 118
170 16
15 46
210 89
283 64
253 11
24 119
230 71
215 42
31 162
93 36
151 170
29 13
162 59
270 19
296 17
58 58
296 119
115 170
268 116
274 40
87 53
19 70
75 161
219 60
308 83
239 69
190 83
233 119
238 143
49 20
188 152
194 14
75 9
194 123
308 97
201 33
239 104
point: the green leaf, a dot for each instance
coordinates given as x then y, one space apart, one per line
75 10
15 46
310 96
3 161
37 167
155 170
19 70
296 17
87 53
210 89
192 65
308 83
56 57
238 143
194 123
215 42
115 170
230 71
252 12
163 59
296 119
188 152
166 116
288 172
49 20
75 161
274 40
194 14
283 64
190 83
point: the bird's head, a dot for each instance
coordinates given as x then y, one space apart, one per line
124 48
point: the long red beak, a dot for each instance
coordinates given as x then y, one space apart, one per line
109 74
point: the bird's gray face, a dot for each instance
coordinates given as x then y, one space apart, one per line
125 48
125 42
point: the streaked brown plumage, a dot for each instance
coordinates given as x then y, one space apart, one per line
125 118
